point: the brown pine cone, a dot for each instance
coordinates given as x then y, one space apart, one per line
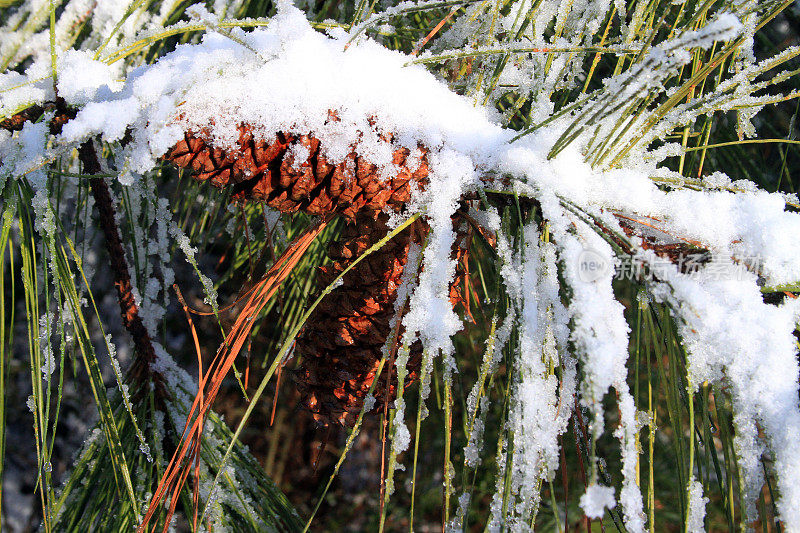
267 171
63 114
343 340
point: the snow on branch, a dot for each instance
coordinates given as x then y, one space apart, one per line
286 77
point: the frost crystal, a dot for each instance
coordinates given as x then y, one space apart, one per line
49 362
31 403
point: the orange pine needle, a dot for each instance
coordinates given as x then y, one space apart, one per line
433 32
177 471
653 226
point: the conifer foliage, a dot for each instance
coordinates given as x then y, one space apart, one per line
534 261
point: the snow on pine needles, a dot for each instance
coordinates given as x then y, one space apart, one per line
290 78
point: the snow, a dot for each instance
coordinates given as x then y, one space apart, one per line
478 408
697 508
541 408
732 335
189 251
287 77
45 333
281 88
401 436
82 79
18 90
596 500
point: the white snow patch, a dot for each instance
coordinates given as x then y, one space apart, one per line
596 500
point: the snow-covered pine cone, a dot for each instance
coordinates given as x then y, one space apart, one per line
341 344
343 340
266 171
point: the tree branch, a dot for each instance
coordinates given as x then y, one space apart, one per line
145 354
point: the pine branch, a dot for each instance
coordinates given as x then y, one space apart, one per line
145 354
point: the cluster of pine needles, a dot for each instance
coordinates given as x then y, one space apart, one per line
159 447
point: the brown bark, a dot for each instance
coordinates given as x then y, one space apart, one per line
145 354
